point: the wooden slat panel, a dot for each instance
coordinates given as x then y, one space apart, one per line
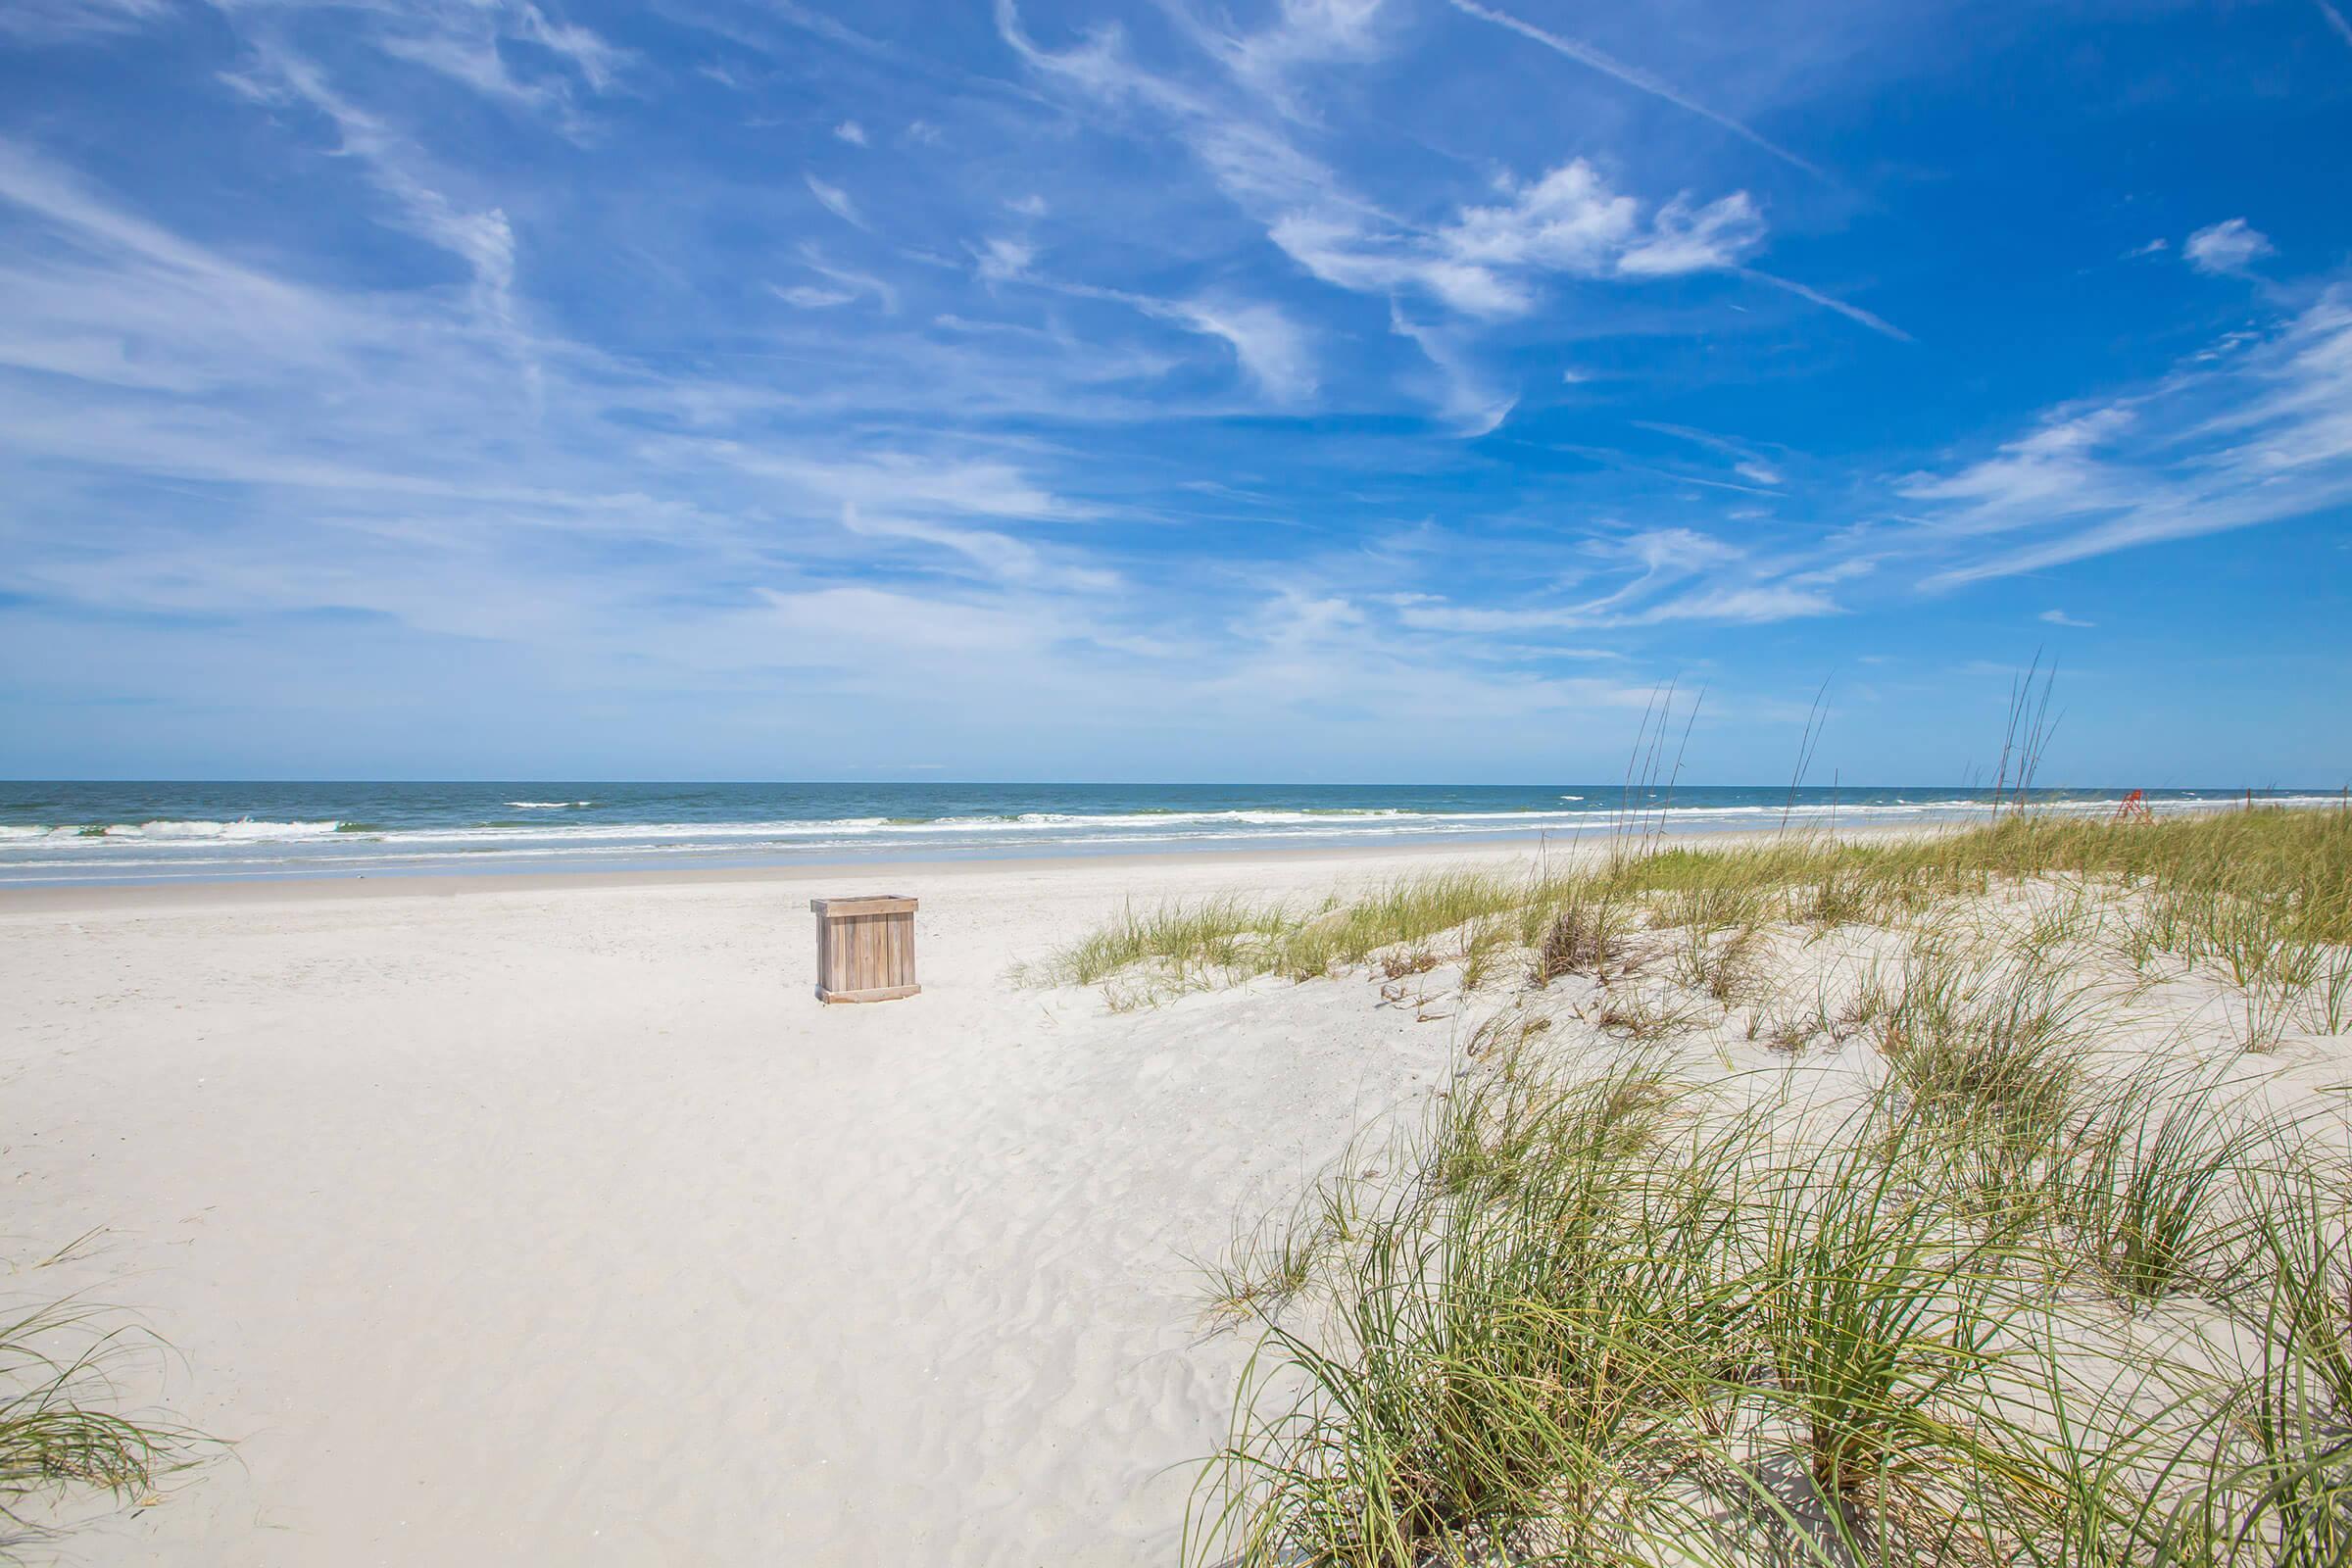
864 947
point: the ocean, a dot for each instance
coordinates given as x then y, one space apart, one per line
54 832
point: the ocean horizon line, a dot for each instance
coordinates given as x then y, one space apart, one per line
881 779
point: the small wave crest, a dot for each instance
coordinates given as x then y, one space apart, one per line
550 806
243 829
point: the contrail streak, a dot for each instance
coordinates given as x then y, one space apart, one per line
1635 77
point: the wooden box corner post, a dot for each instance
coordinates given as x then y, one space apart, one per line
864 948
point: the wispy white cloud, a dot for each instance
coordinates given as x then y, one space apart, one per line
1483 260
2253 436
833 199
1486 263
1750 604
898 482
127 302
1571 221
467 41
808 297
1651 577
848 282
1002 259
851 131
1756 466
1269 345
1272 350
861 628
2054 472
994 556
822 24
1302 33
596 61
1695 239
2228 247
1468 401
75 21
480 236
2059 617
1483 620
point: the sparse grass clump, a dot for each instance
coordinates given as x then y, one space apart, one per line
1987 1052
1219 939
1578 935
2154 1183
58 1435
1874 1309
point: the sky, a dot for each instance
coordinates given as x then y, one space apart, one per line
1347 390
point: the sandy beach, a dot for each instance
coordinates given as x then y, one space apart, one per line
486 1219
556 1219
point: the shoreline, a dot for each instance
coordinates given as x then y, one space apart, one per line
439 883
171 835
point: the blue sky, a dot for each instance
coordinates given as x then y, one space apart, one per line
1332 389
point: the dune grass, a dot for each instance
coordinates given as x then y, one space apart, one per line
1601 1322
58 1435
2260 897
1993 1285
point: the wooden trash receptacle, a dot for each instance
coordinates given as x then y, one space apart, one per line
864 948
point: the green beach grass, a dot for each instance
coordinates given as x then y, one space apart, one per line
60 1433
1946 1199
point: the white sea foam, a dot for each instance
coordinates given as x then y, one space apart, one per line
242 830
549 806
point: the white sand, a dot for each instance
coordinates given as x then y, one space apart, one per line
556 1221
